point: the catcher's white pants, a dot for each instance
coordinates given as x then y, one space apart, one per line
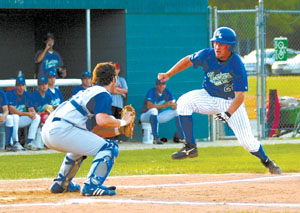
200 101
65 137
22 121
162 117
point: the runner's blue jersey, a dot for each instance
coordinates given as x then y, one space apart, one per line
221 79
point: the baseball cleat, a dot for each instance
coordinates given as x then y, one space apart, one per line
18 147
56 188
93 190
10 148
31 146
273 168
189 150
158 141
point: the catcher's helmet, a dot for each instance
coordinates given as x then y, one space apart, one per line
225 35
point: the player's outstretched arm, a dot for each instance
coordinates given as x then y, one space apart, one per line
178 67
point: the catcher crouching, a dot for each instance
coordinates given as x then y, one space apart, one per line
65 130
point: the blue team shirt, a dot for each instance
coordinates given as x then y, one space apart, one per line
221 79
3 100
50 61
39 101
56 97
77 89
21 103
157 99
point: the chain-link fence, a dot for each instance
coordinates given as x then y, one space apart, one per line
282 78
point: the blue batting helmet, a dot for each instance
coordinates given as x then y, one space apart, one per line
225 35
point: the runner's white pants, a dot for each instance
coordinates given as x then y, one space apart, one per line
200 101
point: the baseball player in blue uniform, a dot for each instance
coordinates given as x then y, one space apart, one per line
7 120
159 107
224 86
86 79
41 97
23 113
65 130
55 93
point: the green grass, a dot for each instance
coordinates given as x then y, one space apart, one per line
217 160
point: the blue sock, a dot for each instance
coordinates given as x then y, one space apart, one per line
186 122
179 132
154 122
260 154
8 134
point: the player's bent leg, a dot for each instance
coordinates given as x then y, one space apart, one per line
63 182
100 169
240 125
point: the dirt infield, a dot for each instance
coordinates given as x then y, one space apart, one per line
162 193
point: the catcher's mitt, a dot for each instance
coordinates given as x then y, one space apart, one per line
128 130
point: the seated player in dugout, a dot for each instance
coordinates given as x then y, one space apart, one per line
54 91
21 108
160 107
41 99
86 79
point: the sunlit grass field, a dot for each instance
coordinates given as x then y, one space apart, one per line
211 160
285 86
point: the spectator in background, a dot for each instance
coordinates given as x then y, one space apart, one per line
155 111
7 120
86 79
118 96
47 59
21 107
55 93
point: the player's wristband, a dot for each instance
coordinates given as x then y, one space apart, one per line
122 122
228 114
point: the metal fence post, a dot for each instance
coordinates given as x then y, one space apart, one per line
262 68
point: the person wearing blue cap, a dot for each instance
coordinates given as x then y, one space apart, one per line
21 107
86 79
55 93
47 59
41 98
155 110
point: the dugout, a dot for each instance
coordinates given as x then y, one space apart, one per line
144 36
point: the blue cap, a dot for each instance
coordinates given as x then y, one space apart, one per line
42 80
51 74
158 82
20 81
86 75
